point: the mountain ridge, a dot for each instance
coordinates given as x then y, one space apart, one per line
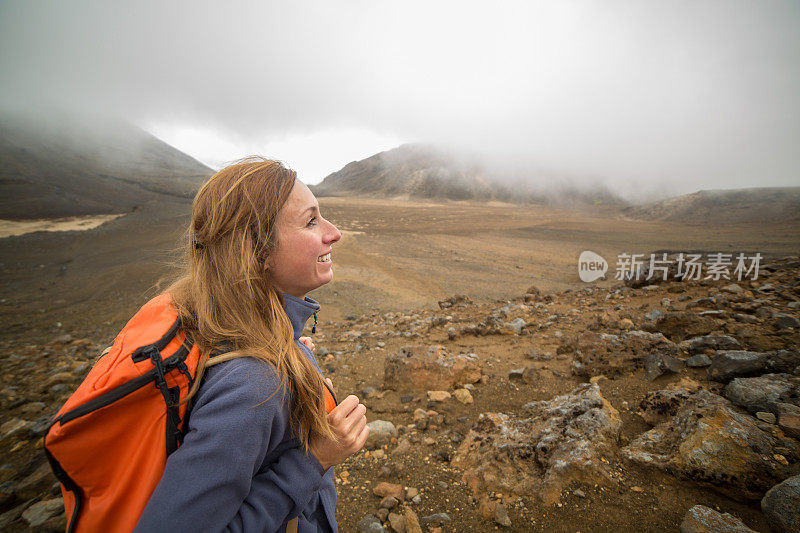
421 171
59 166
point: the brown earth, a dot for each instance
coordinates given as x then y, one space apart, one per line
395 261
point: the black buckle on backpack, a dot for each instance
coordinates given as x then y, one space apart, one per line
170 399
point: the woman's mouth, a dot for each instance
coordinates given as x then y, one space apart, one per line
324 258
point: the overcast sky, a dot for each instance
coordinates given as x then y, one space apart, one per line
669 96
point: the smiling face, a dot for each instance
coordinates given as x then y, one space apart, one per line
301 261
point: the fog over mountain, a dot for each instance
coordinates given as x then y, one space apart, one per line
647 98
62 165
419 171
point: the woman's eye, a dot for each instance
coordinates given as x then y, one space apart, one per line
312 222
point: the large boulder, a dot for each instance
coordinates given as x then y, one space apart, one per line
702 519
660 406
764 393
679 326
708 440
429 368
710 342
729 364
781 506
543 448
601 353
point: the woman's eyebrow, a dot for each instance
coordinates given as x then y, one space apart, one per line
312 208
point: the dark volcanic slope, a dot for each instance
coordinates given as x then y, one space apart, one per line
54 166
768 204
424 172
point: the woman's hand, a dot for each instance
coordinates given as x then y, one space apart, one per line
349 423
308 342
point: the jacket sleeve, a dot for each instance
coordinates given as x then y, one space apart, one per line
215 480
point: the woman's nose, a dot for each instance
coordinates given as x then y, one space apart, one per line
333 234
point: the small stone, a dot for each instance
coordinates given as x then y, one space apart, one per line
370 392
516 374
438 395
403 447
517 325
537 356
398 522
417 499
33 409
406 399
733 289
657 364
40 426
9 516
411 492
501 515
427 441
626 324
784 321
698 361
463 396
384 488
702 519
789 419
14 428
61 377
370 524
39 513
389 502
769 418
653 315
637 489
412 521
382 514
437 519
36 482
63 339
579 493
381 433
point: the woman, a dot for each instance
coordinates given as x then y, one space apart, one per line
260 446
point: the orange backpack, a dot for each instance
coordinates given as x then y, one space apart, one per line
109 443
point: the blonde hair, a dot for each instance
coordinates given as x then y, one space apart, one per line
226 297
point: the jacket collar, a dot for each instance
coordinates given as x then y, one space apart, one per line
299 311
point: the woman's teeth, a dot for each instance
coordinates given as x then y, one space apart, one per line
323 258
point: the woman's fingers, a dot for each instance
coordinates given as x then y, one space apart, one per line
362 437
308 342
356 417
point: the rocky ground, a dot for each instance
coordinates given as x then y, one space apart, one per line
650 408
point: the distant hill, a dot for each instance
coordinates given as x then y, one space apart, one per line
57 166
419 171
767 204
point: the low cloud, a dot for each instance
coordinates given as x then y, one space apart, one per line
643 96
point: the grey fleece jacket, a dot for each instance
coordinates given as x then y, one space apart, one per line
240 467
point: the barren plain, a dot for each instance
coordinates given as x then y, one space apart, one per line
66 294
